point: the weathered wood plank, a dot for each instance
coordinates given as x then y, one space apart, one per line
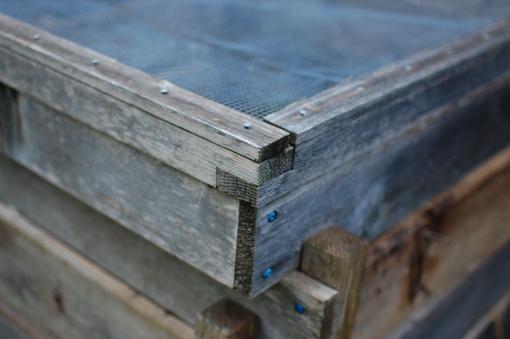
200 116
62 292
454 316
494 325
183 216
426 255
368 195
124 122
24 326
162 277
348 121
226 320
337 258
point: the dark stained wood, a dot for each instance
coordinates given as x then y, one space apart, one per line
418 262
226 320
337 258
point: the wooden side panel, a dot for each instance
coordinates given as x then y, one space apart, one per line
183 216
366 196
349 121
454 316
421 259
128 124
68 296
179 287
202 117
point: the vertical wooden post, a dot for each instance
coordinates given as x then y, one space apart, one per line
337 259
226 320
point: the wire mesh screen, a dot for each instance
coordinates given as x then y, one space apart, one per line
254 56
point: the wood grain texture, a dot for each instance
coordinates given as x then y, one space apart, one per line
493 325
337 258
193 113
421 259
368 195
124 122
226 320
349 121
467 303
183 216
174 284
68 296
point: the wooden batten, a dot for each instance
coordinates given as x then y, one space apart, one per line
58 290
337 258
226 320
417 262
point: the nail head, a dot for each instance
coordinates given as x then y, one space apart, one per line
247 125
163 90
37 36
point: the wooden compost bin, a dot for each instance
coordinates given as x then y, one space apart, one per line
270 169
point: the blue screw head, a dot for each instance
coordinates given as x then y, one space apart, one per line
267 273
272 216
299 308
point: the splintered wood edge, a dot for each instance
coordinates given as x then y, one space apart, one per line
144 307
226 320
203 117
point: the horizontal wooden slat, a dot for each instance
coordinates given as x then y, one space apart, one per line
420 260
189 153
162 277
200 116
68 296
464 306
185 217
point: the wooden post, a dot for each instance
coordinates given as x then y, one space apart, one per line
226 320
337 258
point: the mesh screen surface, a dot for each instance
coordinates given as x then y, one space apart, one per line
254 56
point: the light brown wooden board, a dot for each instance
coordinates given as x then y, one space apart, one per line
435 248
174 284
70 297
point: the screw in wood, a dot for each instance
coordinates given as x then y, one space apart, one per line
163 90
272 216
247 125
267 273
302 112
95 62
299 308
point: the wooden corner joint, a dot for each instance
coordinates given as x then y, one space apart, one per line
268 169
226 320
337 259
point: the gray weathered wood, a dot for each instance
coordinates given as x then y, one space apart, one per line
61 292
369 195
350 120
174 284
125 122
189 219
454 316
337 258
226 320
200 116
